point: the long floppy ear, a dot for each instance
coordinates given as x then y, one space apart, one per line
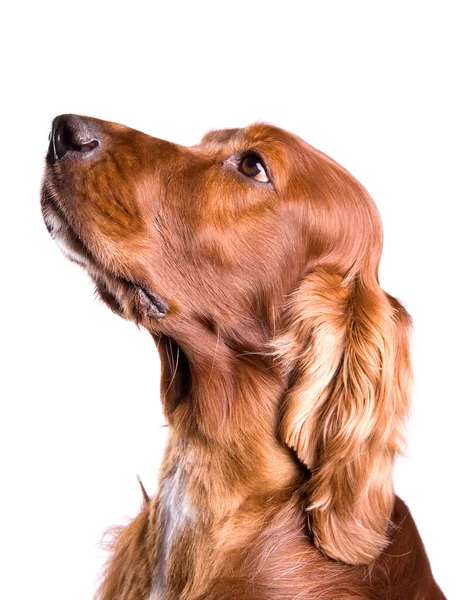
346 345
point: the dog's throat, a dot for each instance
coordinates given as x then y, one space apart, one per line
176 381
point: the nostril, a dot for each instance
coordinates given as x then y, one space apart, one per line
71 133
69 139
87 146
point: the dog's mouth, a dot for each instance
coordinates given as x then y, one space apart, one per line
128 298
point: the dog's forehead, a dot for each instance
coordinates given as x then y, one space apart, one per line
220 136
255 134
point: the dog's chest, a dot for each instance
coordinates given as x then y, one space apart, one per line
175 512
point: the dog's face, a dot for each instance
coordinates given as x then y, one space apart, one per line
211 236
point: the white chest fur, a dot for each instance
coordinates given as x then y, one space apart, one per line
175 511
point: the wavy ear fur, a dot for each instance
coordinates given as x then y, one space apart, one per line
346 346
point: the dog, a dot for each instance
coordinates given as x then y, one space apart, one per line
252 259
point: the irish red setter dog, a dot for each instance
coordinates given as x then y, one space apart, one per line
252 259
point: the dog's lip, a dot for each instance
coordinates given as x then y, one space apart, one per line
150 304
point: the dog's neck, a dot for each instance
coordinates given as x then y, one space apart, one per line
223 457
223 412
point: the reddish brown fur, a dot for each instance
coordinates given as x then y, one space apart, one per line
285 367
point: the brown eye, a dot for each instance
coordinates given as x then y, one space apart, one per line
252 166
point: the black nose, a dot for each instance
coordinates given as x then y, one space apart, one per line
70 133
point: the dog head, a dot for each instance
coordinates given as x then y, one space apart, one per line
250 243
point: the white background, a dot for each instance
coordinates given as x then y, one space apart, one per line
375 85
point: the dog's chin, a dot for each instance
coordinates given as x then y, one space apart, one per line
60 230
131 300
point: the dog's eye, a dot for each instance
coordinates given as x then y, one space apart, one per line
251 166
